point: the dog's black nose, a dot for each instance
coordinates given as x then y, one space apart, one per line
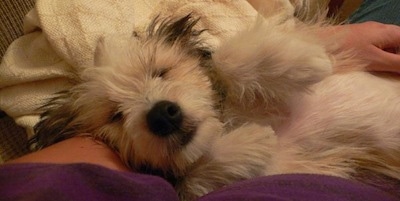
164 118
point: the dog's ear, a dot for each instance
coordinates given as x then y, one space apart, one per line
174 30
56 123
180 31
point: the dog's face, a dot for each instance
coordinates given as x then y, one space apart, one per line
151 99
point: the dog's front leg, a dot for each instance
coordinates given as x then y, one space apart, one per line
263 67
238 155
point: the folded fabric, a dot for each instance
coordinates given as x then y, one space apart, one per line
61 37
79 182
91 182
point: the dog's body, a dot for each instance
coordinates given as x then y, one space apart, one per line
165 103
346 127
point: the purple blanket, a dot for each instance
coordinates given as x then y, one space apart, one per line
90 182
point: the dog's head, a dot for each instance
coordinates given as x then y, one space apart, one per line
150 98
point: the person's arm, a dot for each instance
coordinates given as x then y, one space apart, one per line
76 150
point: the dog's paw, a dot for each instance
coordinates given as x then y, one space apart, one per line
308 67
270 52
263 67
238 155
248 145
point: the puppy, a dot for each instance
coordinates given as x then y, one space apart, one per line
197 116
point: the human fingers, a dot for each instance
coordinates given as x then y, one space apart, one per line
385 61
386 37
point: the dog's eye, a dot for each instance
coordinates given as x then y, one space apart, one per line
160 73
116 117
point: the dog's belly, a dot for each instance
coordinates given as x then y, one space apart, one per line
356 100
347 123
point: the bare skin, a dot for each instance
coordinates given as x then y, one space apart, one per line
76 150
376 44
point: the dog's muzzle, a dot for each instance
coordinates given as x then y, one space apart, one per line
165 118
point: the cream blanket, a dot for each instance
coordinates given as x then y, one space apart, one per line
61 37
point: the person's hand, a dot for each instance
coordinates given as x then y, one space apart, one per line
373 43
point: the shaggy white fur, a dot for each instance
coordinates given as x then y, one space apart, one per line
201 118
